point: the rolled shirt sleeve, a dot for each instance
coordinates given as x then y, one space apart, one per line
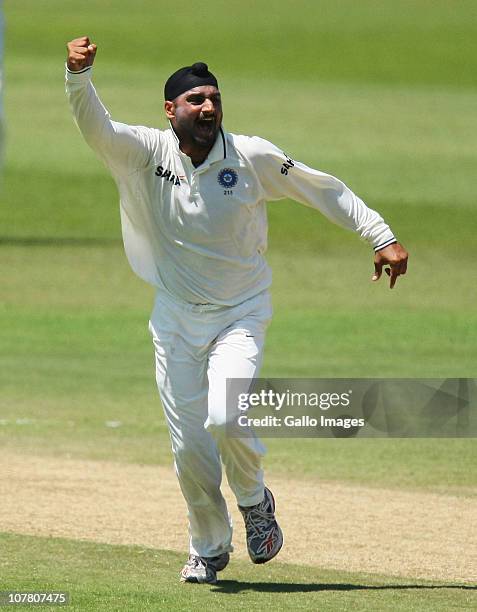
282 177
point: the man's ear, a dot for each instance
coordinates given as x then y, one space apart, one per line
170 109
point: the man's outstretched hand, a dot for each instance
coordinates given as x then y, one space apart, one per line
394 255
81 53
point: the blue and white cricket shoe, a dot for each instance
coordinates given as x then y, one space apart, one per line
264 536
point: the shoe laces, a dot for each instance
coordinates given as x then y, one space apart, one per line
257 520
195 561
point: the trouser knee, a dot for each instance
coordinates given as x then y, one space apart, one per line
199 473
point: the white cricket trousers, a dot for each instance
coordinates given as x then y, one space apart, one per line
197 347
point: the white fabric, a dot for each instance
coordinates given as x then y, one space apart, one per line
186 233
202 244
197 348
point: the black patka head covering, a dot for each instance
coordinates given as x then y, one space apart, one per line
187 78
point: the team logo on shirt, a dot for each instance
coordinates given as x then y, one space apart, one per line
228 178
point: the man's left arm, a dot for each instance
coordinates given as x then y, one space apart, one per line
281 176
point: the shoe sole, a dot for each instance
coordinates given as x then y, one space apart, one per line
188 581
192 580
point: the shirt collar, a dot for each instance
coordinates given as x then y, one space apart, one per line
217 153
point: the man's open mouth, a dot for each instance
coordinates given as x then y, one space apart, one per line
206 125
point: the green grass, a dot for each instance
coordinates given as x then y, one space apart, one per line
103 577
76 355
410 41
393 118
409 152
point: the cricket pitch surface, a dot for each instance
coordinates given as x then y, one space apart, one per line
326 524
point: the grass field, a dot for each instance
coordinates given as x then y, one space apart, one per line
100 577
381 94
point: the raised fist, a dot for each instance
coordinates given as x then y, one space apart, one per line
80 53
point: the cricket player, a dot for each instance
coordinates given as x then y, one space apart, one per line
193 214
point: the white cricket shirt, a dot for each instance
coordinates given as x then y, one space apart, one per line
201 233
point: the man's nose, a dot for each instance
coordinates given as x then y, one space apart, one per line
207 106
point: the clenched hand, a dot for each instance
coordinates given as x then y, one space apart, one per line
81 53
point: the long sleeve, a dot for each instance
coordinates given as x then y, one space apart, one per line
124 148
282 177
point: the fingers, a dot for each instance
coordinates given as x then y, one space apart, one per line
396 257
398 270
393 275
81 41
378 269
84 52
395 271
92 53
81 53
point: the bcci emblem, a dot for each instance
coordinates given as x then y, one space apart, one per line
227 178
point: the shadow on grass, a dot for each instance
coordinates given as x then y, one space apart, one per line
234 586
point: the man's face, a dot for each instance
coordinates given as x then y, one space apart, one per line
196 115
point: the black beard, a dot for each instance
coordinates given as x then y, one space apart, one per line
190 136
204 142
204 137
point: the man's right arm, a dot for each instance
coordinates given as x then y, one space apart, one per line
123 147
